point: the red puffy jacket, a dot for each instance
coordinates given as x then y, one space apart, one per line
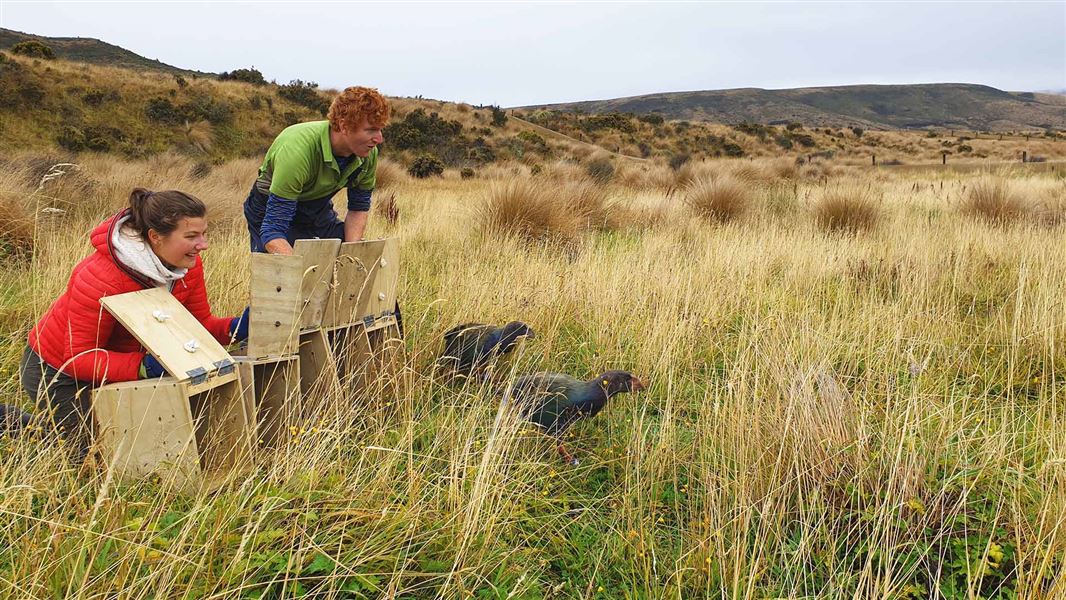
79 337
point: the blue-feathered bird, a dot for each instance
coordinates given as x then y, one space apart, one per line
554 401
470 347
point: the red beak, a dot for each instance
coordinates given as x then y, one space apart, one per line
636 384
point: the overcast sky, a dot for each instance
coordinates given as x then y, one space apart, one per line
540 52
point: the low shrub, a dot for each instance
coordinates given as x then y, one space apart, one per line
34 49
425 165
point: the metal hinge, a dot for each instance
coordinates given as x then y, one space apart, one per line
197 375
225 366
368 321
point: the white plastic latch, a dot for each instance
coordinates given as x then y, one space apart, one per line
191 346
384 263
160 316
381 295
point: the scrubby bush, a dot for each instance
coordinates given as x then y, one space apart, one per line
732 149
847 209
616 121
182 83
783 141
654 119
803 140
718 199
250 75
34 49
499 117
794 126
533 141
600 169
426 165
304 93
162 110
858 131
466 173
71 138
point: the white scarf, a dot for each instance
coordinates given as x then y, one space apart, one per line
132 251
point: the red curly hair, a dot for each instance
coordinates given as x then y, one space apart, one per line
355 103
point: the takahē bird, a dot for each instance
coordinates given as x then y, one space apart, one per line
13 419
555 401
470 347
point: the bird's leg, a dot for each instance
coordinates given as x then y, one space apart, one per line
569 458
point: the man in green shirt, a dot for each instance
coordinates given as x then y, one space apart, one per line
307 164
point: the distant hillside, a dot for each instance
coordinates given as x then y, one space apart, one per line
944 105
92 51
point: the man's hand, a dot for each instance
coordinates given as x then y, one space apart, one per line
278 246
355 225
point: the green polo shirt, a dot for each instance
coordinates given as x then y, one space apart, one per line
300 166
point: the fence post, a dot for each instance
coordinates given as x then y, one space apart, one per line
1025 156
873 159
943 158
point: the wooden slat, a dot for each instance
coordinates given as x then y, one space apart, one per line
225 429
318 373
275 397
146 427
319 257
355 267
385 278
165 340
275 301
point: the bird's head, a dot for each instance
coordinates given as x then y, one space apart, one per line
512 332
617 382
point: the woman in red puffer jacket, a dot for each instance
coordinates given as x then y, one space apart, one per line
77 344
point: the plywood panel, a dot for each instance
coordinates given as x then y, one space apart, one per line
384 279
356 262
318 372
275 398
275 301
225 429
169 331
146 427
319 257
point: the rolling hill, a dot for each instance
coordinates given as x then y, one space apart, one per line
92 51
941 105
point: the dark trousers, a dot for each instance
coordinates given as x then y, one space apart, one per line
63 403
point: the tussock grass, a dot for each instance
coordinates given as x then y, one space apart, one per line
847 208
390 174
828 416
719 199
524 208
993 200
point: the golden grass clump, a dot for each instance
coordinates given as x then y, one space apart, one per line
525 208
992 199
591 205
718 199
16 227
390 174
848 208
